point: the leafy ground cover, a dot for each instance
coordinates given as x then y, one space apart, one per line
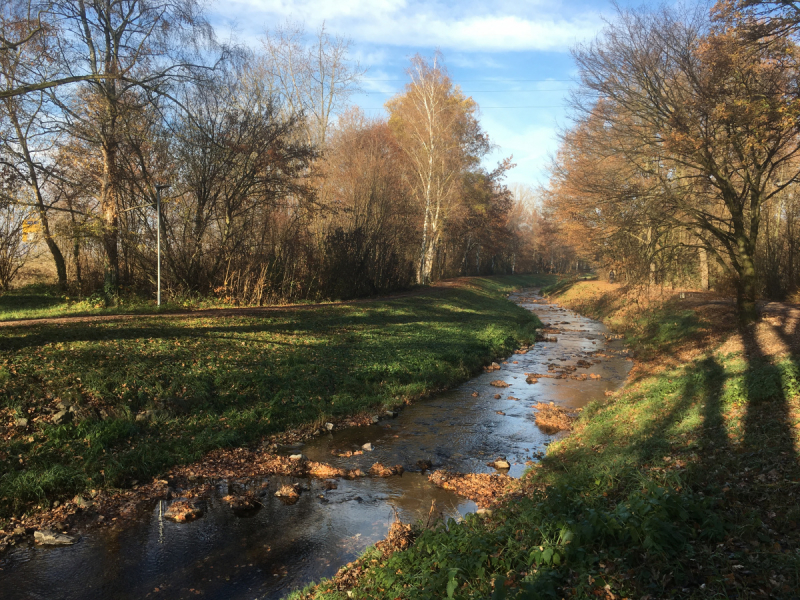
683 485
111 402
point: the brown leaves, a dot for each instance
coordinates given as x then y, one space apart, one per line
552 419
378 470
182 511
482 488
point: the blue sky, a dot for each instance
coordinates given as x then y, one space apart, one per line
512 57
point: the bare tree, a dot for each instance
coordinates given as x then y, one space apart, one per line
28 140
235 157
13 250
313 80
132 51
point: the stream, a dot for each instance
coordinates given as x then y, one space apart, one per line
279 548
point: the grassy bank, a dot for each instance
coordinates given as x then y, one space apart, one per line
684 485
154 391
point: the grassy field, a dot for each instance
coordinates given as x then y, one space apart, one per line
684 485
154 391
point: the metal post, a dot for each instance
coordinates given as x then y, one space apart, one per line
158 240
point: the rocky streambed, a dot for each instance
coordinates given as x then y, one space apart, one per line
275 523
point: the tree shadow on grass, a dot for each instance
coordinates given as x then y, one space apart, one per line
765 501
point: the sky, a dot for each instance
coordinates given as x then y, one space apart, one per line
511 56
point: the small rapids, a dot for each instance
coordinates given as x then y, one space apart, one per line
268 552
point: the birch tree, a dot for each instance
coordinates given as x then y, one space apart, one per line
437 128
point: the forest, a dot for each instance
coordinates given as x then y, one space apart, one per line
273 187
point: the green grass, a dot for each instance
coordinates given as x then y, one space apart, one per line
40 301
227 381
682 486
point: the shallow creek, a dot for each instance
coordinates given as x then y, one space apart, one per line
279 548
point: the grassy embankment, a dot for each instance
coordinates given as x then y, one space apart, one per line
212 382
683 485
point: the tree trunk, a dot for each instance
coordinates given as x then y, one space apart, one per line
746 289
427 262
58 257
423 267
703 269
108 201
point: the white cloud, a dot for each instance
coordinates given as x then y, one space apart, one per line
465 26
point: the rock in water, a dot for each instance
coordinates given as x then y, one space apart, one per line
379 470
298 457
501 463
50 538
289 494
425 464
182 511
367 447
500 383
242 503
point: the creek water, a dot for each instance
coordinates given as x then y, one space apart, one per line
279 548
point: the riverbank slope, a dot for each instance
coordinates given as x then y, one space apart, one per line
682 485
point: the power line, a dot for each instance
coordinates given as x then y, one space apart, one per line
494 80
482 107
482 91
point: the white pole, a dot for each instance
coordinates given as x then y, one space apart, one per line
158 240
